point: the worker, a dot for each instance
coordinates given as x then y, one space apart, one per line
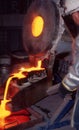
70 83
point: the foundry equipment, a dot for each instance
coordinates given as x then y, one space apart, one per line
41 26
42 29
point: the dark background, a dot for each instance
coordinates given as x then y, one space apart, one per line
11 22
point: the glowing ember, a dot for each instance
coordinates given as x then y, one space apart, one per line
3 111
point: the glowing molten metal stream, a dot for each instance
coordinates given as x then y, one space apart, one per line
3 111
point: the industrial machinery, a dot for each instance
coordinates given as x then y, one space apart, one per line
41 26
31 78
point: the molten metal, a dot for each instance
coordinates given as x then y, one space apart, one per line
37 26
3 111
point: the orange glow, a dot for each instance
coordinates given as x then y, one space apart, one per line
3 111
37 68
37 26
